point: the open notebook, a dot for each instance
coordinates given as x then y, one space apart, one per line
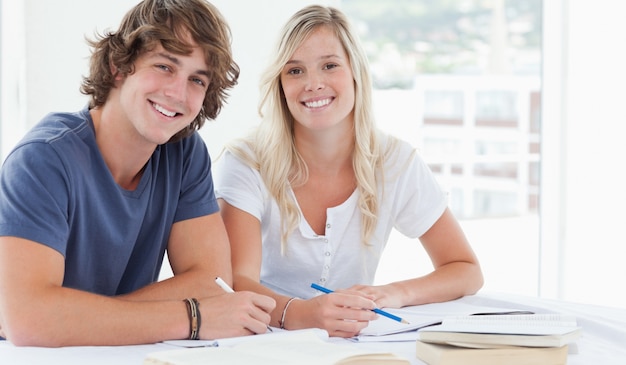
420 316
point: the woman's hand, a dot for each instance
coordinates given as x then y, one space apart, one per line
343 313
384 296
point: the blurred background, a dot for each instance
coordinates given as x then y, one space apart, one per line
517 106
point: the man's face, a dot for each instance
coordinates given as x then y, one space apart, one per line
164 94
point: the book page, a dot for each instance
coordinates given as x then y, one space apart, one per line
522 324
275 335
420 316
303 347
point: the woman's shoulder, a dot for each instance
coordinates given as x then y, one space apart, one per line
393 148
239 151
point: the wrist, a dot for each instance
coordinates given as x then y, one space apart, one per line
283 317
195 318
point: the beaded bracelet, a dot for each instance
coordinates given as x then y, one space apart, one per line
282 317
195 319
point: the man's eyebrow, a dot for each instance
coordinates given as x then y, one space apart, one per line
176 61
171 58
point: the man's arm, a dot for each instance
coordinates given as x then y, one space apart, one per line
36 310
198 251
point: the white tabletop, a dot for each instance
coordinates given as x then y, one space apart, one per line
603 339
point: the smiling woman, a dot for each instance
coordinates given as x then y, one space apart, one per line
312 194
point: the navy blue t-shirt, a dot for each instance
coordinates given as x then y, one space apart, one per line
56 189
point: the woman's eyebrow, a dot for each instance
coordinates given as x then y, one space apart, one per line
295 61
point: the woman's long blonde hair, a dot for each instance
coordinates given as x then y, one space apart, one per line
274 153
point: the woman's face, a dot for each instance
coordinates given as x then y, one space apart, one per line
318 83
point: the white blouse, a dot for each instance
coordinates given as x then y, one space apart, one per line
410 201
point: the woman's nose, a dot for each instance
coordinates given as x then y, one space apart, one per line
315 81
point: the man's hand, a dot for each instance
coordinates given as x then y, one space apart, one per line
235 314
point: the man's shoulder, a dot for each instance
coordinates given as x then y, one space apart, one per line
190 147
64 135
57 125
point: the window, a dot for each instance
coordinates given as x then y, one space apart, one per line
461 81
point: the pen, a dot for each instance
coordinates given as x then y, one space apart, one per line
222 284
375 310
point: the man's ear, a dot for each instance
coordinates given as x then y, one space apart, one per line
115 72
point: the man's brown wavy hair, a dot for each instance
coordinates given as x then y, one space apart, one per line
170 23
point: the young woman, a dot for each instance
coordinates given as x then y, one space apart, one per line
313 194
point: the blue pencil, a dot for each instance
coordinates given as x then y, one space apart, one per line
376 310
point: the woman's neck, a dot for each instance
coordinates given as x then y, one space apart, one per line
326 152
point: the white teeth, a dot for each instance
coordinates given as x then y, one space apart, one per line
317 103
163 110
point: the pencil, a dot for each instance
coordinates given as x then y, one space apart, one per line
375 310
222 284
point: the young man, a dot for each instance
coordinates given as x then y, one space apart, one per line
90 201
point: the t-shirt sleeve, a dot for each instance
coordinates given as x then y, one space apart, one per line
422 201
239 185
197 195
34 191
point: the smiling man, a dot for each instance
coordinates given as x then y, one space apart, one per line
92 200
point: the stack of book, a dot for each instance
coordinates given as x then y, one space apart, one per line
541 339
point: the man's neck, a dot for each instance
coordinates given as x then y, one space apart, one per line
125 158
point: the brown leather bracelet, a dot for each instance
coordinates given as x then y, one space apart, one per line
195 318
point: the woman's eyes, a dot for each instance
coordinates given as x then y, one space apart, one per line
298 71
294 71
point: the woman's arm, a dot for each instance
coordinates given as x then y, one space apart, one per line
456 270
342 313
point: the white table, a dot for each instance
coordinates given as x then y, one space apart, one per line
603 339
